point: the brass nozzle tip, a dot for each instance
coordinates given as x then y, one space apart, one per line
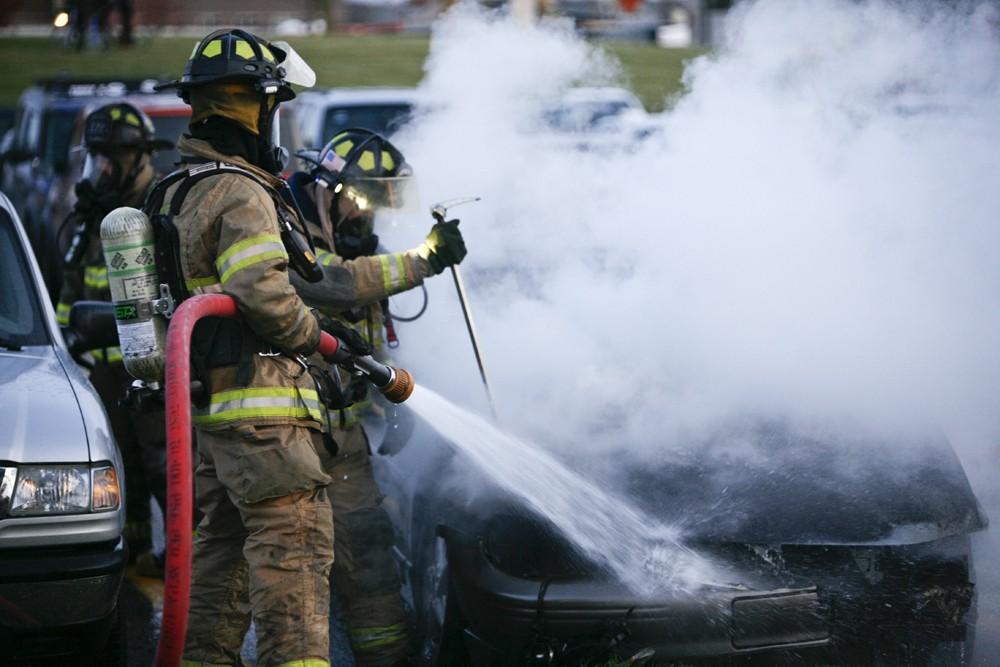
401 387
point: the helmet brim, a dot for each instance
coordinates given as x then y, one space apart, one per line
169 85
284 94
160 145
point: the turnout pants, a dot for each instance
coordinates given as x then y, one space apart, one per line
365 575
266 536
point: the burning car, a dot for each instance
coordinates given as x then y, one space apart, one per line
824 548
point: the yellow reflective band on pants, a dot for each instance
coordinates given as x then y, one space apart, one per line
394 271
108 355
249 252
95 277
363 639
62 313
256 402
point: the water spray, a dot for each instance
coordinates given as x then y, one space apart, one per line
440 213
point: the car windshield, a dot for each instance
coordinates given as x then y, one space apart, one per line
20 312
578 116
170 128
58 133
381 118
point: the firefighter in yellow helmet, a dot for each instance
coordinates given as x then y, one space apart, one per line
357 173
118 141
265 545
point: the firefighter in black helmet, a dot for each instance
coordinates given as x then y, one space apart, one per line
356 175
264 546
119 141
234 76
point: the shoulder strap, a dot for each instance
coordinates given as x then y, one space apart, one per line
301 255
154 199
195 174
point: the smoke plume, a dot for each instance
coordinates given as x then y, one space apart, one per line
811 234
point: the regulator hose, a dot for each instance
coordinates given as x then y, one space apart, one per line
423 309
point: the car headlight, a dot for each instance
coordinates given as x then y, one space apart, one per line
106 490
64 489
7 477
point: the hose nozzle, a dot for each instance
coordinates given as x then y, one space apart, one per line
396 384
401 386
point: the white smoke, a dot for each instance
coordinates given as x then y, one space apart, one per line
814 235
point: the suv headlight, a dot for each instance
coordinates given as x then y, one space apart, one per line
64 489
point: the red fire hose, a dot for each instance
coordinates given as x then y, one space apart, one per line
177 572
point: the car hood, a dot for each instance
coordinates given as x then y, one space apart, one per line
773 485
42 422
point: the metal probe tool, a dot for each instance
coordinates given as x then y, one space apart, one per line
440 214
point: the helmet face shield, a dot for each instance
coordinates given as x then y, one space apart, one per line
395 192
297 71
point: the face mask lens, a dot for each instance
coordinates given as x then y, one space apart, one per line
349 204
100 170
355 234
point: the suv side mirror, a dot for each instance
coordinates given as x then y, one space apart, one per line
93 326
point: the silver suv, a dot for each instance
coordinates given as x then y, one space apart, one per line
61 488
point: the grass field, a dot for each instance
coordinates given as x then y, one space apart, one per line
653 73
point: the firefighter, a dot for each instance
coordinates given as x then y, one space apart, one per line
264 546
119 142
354 175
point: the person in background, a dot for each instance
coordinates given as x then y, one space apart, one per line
119 141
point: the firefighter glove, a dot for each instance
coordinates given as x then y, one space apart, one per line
443 247
350 338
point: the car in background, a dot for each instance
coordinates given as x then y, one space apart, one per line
833 551
321 114
597 118
62 555
37 153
